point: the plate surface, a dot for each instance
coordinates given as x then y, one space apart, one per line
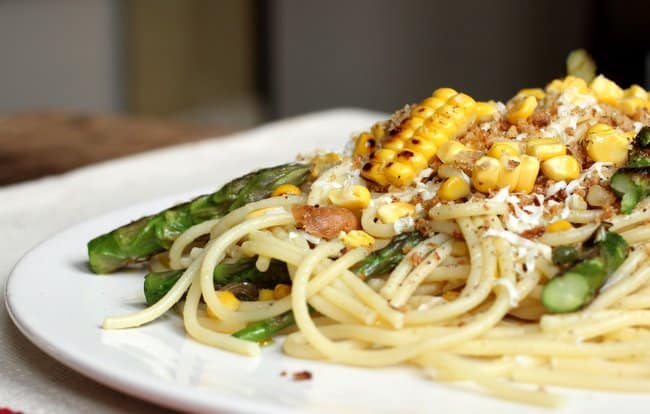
59 305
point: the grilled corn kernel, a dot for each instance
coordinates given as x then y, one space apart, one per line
366 143
422 146
605 144
446 126
536 92
454 113
383 155
378 130
606 90
374 172
631 104
400 174
265 294
464 101
352 197
444 93
453 188
412 123
459 248
485 111
509 171
433 134
422 111
416 160
522 109
528 170
485 174
545 148
286 189
433 102
356 238
450 150
500 148
394 143
635 91
561 168
560 225
281 290
390 213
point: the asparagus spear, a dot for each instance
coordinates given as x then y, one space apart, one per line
378 263
152 234
266 329
632 183
576 286
157 284
384 260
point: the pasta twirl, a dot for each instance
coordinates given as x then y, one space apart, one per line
503 244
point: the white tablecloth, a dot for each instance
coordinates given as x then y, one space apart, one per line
32 382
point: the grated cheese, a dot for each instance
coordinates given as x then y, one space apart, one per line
404 224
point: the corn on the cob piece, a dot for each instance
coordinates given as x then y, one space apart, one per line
366 143
415 142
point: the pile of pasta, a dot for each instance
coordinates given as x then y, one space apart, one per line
465 302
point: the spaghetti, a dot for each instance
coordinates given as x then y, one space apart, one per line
469 299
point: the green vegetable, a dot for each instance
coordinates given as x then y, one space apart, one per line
266 329
642 139
379 262
384 260
631 185
157 284
152 234
576 286
564 255
580 64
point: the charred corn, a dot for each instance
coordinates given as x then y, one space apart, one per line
418 138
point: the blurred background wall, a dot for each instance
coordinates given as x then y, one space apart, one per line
243 62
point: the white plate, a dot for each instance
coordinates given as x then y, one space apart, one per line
59 305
